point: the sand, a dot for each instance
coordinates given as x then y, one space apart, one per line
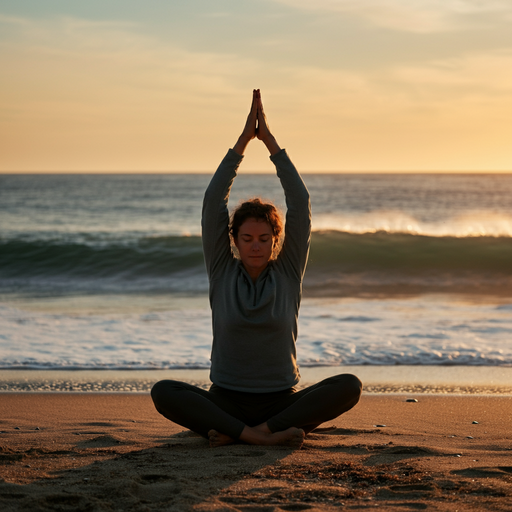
438 379
113 451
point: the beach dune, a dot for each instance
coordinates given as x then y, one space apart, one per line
95 452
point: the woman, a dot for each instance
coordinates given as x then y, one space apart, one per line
255 303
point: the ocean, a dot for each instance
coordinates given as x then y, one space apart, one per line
107 272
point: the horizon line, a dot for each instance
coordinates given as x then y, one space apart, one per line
152 172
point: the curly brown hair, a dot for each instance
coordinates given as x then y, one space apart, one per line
257 209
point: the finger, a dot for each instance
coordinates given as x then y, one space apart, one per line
260 107
254 104
261 122
261 112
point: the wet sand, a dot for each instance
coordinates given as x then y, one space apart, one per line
113 451
439 379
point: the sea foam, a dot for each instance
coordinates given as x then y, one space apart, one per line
427 331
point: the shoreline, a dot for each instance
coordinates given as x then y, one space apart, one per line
442 380
114 451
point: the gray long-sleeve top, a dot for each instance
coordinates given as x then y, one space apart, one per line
255 324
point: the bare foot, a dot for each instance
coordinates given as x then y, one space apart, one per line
218 439
293 437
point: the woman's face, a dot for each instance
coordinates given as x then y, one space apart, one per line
255 243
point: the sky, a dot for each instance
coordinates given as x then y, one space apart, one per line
165 85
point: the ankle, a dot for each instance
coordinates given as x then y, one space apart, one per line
263 428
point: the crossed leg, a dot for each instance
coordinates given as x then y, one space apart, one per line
288 418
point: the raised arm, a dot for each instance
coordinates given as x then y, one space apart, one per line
297 238
294 254
215 216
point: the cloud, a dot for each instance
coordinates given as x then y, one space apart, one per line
82 94
445 114
13 20
456 84
423 16
119 52
79 94
488 74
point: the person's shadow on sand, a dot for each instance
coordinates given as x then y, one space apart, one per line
182 473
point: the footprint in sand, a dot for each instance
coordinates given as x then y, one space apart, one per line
104 441
411 450
154 478
100 424
485 472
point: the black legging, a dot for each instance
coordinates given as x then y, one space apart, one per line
228 412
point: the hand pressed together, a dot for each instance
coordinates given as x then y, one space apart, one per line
256 126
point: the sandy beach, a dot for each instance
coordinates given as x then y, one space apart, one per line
112 451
